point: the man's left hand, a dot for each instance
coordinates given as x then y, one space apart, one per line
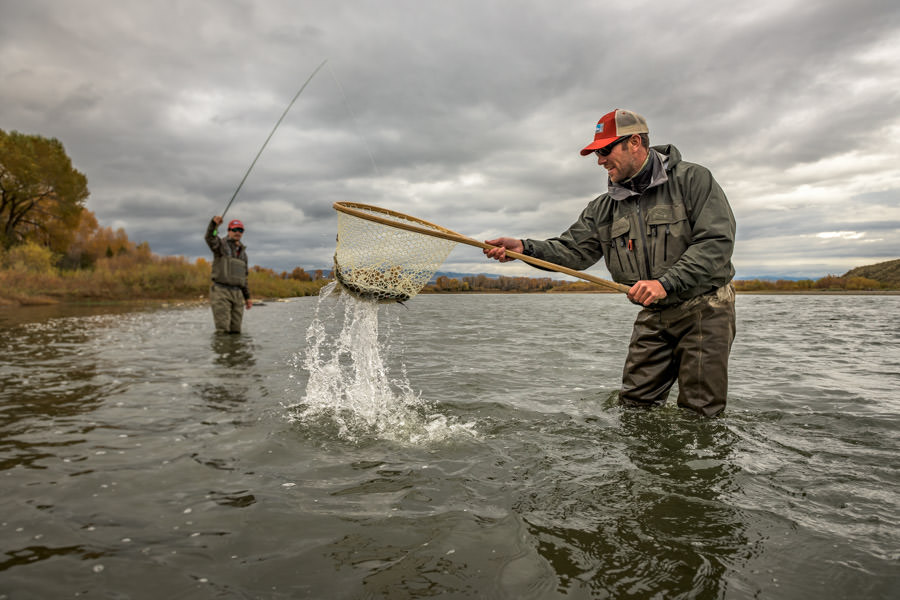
248 304
646 292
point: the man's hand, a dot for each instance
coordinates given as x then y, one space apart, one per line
647 292
503 244
248 303
217 219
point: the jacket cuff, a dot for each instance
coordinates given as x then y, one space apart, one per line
666 285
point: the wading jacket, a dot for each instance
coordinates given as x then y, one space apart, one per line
679 230
229 266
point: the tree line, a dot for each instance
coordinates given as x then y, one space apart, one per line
824 284
52 247
483 283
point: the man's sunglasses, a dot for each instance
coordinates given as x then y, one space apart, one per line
238 229
605 150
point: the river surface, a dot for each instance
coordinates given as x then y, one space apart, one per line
464 446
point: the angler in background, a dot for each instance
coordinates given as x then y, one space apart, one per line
229 293
666 229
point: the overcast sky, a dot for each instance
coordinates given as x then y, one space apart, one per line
469 114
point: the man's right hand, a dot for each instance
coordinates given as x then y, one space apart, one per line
217 219
502 245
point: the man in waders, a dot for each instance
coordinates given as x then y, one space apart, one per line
229 293
665 228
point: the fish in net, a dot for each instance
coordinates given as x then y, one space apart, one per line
386 256
378 259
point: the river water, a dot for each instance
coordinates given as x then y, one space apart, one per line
464 446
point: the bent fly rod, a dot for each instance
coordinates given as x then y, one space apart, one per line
297 95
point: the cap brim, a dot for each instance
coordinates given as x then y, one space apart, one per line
597 144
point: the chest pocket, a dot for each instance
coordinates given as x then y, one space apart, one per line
618 252
228 268
669 234
234 271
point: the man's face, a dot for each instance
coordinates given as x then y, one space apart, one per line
236 234
624 159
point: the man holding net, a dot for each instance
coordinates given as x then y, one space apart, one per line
665 228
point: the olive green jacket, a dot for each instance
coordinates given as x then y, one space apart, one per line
680 231
229 260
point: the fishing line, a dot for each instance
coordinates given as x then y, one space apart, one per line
355 121
297 95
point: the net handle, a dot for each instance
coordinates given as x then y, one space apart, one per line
360 210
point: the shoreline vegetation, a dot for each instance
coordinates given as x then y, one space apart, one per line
53 250
31 275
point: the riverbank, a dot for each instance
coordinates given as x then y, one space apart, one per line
154 282
13 301
12 315
33 280
819 292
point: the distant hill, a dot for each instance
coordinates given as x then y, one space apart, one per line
772 278
885 272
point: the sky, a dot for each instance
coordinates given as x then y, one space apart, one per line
468 114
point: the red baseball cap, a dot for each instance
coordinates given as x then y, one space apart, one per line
235 223
614 125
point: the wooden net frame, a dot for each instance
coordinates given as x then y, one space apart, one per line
387 256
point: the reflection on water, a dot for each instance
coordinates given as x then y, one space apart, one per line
639 510
230 385
13 316
233 351
142 457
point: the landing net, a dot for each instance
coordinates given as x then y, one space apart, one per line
378 258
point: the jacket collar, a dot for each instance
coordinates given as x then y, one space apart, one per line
657 167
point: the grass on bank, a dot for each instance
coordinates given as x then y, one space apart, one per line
29 276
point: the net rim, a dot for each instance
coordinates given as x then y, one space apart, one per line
358 209
397 220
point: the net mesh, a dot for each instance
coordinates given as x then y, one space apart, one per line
379 262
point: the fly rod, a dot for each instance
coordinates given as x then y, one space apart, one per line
297 95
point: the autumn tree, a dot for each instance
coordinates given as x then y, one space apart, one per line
300 275
41 194
90 242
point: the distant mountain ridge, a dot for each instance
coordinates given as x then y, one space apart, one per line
885 272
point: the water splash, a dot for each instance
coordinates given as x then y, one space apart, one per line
349 386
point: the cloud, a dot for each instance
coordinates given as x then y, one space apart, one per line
468 114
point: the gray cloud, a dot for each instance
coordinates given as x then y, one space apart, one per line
468 114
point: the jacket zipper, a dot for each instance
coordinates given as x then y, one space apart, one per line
666 244
645 246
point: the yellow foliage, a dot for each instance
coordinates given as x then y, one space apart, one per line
29 257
